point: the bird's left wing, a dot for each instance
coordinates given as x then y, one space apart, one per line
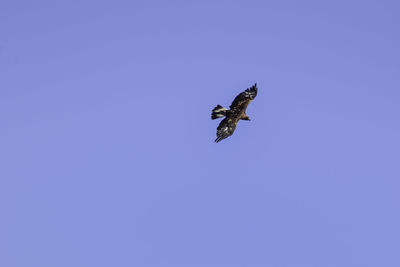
243 99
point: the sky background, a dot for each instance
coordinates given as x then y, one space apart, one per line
107 154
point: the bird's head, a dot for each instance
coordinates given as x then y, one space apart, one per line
246 118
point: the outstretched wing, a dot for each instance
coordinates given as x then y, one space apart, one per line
242 100
226 128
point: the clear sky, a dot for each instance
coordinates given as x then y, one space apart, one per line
107 153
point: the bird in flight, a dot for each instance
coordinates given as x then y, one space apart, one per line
235 113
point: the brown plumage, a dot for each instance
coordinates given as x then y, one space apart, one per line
235 113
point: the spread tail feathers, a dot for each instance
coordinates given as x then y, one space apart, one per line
218 112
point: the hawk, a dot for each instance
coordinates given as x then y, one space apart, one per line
235 113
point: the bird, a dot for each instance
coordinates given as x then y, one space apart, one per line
235 113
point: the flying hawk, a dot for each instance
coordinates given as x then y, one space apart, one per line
235 113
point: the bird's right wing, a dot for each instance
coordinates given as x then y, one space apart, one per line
225 129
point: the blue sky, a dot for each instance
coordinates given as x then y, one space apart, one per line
107 145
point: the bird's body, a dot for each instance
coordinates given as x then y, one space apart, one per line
235 113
